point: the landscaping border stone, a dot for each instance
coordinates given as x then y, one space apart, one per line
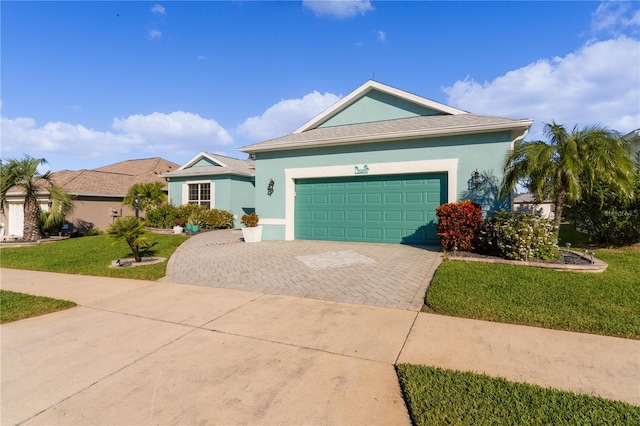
597 266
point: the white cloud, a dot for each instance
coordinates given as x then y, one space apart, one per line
175 133
338 8
153 33
286 116
23 135
382 36
615 17
201 57
158 9
598 84
177 127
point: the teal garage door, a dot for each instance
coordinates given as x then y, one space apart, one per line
388 209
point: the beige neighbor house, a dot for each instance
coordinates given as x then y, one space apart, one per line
634 138
98 194
527 203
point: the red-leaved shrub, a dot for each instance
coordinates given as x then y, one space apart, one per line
459 224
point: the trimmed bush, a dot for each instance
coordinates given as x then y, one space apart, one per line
606 217
459 224
168 216
162 216
217 219
519 236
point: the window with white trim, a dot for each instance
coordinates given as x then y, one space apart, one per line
200 193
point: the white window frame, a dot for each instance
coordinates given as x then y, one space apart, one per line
212 195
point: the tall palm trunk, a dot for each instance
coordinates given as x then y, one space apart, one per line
134 249
557 219
30 230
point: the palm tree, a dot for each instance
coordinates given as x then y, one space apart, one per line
149 195
132 231
24 175
569 164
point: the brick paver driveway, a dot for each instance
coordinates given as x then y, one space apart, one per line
394 276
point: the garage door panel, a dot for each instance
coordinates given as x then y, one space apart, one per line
414 216
393 198
393 234
373 233
370 208
337 233
355 216
320 216
373 216
355 233
320 199
337 199
375 198
414 197
393 216
355 199
337 216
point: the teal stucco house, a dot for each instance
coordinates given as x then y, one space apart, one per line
214 181
373 167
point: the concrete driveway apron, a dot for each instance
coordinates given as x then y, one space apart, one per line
394 276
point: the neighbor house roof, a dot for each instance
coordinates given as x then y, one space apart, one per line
528 198
389 130
112 180
221 165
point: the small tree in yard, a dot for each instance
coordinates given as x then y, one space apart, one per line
569 165
607 218
132 231
149 195
459 224
23 174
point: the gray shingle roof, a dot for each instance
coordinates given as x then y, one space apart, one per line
114 179
232 166
380 131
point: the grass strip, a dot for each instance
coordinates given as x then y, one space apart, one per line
437 396
606 303
16 306
91 256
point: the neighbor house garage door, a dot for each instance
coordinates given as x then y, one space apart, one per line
389 209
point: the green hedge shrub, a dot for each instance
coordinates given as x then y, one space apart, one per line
168 215
519 236
162 216
606 217
459 224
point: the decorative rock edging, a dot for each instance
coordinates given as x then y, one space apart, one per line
130 263
597 266
10 242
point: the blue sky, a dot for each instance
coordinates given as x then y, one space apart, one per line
86 84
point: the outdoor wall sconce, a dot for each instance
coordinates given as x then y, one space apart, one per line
476 179
270 187
136 204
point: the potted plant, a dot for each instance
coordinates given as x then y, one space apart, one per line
194 222
252 232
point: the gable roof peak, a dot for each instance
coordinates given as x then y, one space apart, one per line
362 91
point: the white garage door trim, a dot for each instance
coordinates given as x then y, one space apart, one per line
449 166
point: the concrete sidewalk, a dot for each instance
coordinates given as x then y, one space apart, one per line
140 352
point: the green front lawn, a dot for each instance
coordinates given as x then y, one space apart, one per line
606 303
442 397
16 306
90 256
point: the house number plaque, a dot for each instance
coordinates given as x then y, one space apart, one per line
362 171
